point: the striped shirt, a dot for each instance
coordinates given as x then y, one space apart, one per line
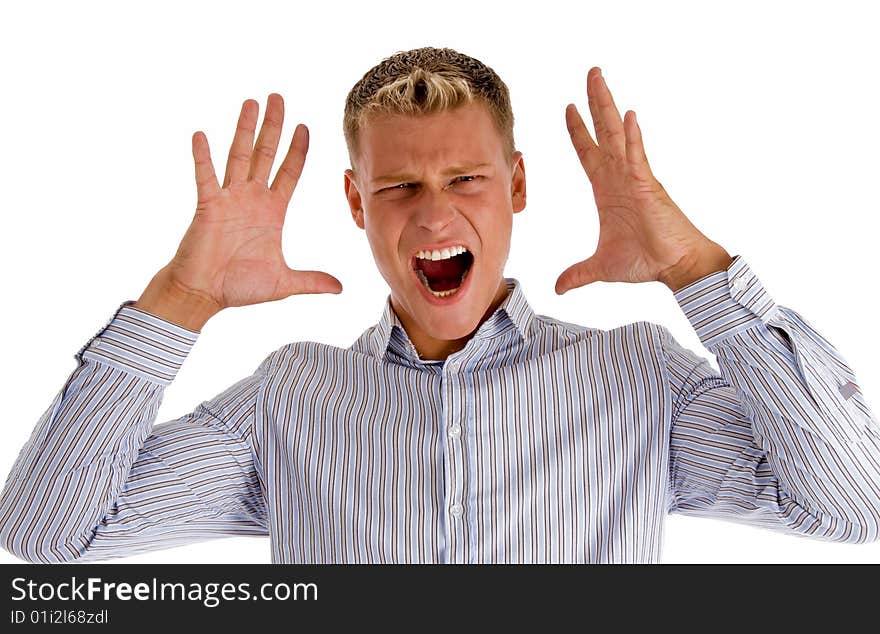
539 441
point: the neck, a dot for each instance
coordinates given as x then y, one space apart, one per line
431 349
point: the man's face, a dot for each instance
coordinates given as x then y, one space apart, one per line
428 182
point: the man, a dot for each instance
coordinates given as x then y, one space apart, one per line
462 427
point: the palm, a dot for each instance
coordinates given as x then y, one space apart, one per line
235 253
640 228
642 232
232 252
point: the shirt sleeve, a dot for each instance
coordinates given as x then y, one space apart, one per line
98 480
782 438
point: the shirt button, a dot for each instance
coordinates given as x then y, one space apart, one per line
455 431
738 284
96 342
456 509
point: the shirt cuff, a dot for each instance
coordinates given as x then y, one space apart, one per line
140 343
726 302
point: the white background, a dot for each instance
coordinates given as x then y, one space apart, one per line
758 118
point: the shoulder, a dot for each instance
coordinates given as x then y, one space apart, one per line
309 359
546 326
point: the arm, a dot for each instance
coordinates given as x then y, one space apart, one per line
782 438
98 480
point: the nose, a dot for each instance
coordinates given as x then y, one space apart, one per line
435 211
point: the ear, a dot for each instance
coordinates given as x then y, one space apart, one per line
518 183
354 199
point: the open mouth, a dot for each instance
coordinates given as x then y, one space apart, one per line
443 272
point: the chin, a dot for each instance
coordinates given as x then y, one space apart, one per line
450 325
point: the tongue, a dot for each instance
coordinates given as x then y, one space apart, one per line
443 275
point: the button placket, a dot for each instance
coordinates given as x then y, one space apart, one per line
455 461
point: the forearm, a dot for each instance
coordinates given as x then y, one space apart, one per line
804 412
69 473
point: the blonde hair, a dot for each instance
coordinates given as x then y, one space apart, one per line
426 81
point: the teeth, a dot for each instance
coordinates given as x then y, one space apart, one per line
443 293
441 254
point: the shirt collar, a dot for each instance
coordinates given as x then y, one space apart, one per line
514 309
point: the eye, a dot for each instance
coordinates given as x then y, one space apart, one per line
397 188
469 178
401 187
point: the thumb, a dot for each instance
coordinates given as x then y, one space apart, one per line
307 282
580 274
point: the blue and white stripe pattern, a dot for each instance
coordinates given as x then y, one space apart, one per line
539 441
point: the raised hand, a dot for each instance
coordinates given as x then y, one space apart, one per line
231 254
643 235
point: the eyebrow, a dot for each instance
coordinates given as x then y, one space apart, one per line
405 177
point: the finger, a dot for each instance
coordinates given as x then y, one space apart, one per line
309 282
586 149
292 166
580 274
206 180
606 118
635 148
242 143
267 142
